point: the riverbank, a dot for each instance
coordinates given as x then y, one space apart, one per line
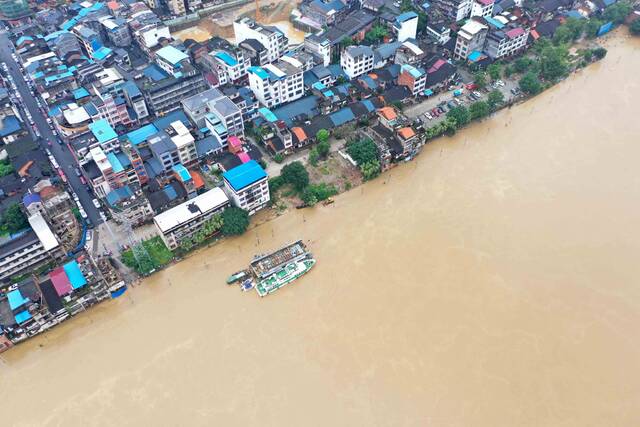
492 282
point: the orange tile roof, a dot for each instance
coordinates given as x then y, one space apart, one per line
388 113
406 133
198 181
113 5
299 132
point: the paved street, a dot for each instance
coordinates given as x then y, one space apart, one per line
60 152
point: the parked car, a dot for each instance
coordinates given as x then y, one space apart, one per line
96 203
83 181
77 171
428 116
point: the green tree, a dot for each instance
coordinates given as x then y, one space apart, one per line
522 64
13 220
322 135
460 115
6 168
635 27
323 149
508 71
362 151
553 63
376 33
617 12
599 52
591 27
370 169
529 83
278 158
295 174
480 79
235 221
313 157
478 110
494 99
308 197
570 31
494 70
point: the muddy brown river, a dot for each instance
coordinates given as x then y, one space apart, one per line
492 282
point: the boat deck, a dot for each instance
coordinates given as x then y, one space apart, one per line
268 264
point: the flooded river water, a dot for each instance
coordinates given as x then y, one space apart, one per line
492 282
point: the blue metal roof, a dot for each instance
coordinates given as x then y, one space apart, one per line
80 93
115 163
244 175
102 131
406 16
22 317
226 58
335 5
172 55
170 192
307 105
267 114
9 125
318 86
368 105
141 134
494 22
155 73
101 53
259 71
342 116
16 299
182 172
77 279
164 121
122 193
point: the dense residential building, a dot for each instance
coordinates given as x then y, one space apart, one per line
439 31
277 83
406 26
357 60
413 78
271 38
247 186
12 9
171 79
453 9
176 7
319 47
323 12
29 249
471 37
506 43
255 52
201 107
482 8
183 221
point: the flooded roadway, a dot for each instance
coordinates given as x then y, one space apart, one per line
492 282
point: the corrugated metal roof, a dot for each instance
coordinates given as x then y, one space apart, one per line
244 175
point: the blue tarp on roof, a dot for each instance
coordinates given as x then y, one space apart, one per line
182 172
102 131
342 116
170 192
80 93
244 175
267 114
115 163
474 56
101 53
77 279
318 86
226 58
258 71
16 300
428 92
122 193
142 134
22 317
328 93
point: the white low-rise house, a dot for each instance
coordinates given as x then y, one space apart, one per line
182 221
247 185
271 38
277 83
503 43
357 60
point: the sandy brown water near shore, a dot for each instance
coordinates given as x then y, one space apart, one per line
492 282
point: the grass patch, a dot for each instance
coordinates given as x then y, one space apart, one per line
158 252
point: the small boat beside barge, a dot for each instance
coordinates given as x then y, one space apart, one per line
236 277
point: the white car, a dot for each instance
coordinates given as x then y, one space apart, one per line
96 203
500 83
428 116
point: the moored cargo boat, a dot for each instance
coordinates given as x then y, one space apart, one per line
287 274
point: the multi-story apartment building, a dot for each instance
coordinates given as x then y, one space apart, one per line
113 109
89 38
255 52
183 221
116 31
30 249
170 80
453 9
228 66
277 83
271 38
504 43
413 78
129 204
200 109
357 60
247 186
406 26
482 8
135 99
471 37
319 47
176 7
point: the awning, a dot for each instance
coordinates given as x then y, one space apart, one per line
22 317
428 92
